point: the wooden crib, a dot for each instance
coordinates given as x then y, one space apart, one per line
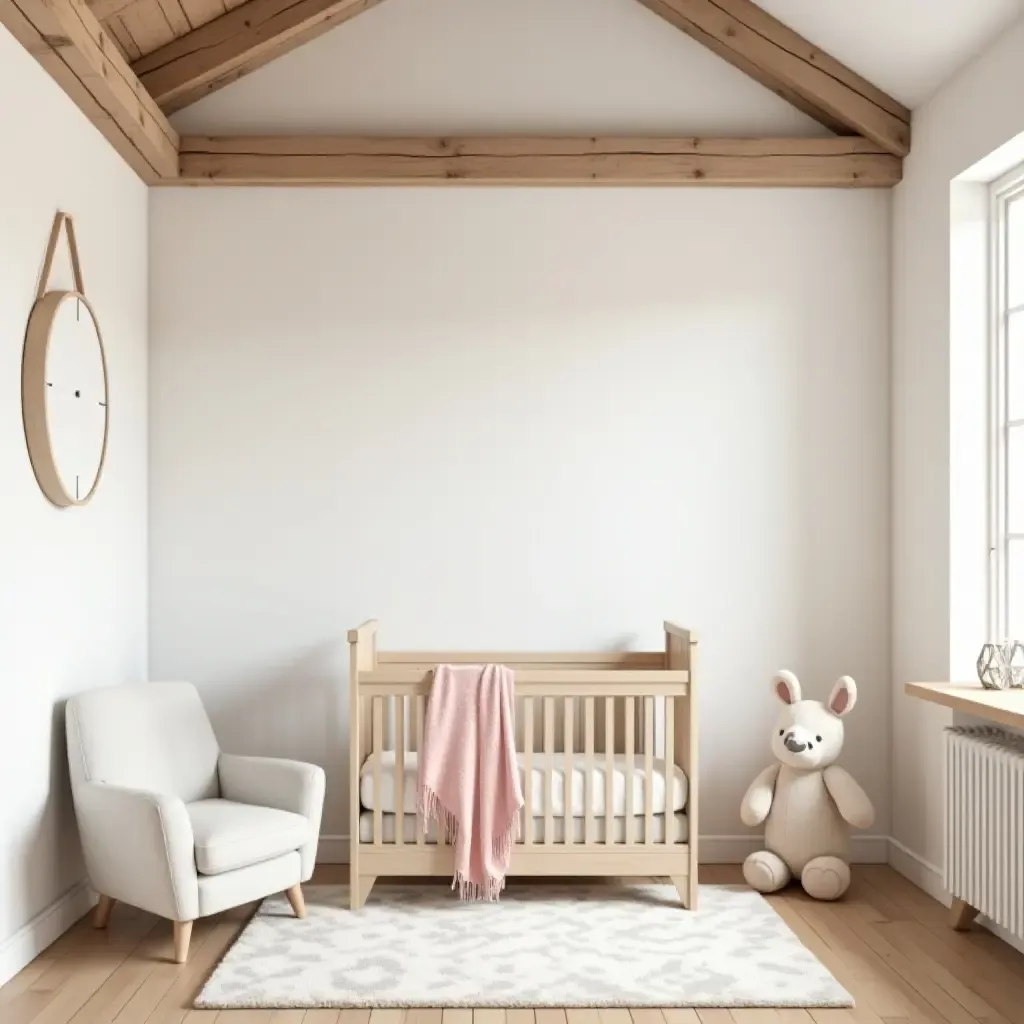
630 716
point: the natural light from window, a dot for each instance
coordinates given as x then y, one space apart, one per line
1007 405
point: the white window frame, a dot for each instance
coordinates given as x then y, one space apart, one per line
1005 190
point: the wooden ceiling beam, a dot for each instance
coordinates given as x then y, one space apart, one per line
236 43
781 59
67 40
846 162
103 9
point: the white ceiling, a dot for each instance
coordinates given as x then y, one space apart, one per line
571 66
908 48
466 67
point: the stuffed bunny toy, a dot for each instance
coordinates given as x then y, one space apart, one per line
806 801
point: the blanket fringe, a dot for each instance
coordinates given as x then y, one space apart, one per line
430 808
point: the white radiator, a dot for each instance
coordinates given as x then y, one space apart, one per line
985 823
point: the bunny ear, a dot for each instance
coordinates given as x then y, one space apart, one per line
843 696
786 687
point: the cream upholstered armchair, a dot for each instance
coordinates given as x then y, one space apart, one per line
171 824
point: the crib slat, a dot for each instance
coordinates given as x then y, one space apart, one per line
400 771
630 730
588 770
414 705
420 707
378 747
567 750
648 771
410 727
609 767
528 738
670 772
549 760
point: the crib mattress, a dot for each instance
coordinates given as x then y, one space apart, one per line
557 827
620 774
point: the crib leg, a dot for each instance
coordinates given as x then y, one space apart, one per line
361 891
682 884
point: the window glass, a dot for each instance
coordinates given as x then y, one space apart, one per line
1015 480
1015 365
1015 581
1015 251
1006 360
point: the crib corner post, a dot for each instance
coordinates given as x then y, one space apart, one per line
693 769
681 653
362 658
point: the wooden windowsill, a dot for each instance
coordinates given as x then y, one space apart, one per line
1003 706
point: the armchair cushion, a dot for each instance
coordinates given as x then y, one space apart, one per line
275 782
230 835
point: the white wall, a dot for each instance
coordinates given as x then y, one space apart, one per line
521 418
72 582
938 494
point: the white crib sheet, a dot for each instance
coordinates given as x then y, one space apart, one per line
620 772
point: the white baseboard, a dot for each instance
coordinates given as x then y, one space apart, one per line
921 872
333 849
1007 937
928 877
46 927
735 849
1001 933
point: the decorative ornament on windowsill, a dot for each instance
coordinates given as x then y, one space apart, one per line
1001 666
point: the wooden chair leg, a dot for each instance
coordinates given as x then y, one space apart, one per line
101 916
294 895
182 934
962 915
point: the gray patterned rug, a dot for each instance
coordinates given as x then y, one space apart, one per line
542 945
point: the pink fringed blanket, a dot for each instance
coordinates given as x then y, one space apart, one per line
468 777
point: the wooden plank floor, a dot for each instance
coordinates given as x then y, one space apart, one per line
887 942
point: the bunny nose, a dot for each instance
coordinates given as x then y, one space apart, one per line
793 746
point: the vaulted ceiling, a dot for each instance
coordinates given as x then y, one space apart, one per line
905 47
205 59
908 48
130 63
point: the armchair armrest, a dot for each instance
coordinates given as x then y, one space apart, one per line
276 782
139 848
